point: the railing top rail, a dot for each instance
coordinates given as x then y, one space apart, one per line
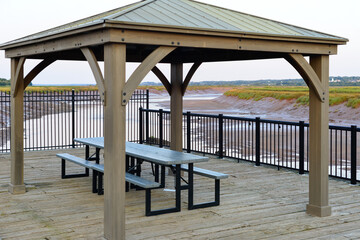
332 127
280 122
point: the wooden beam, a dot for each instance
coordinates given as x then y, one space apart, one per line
176 107
16 78
17 185
163 79
76 41
189 76
319 142
36 70
307 72
142 70
202 32
219 42
95 68
114 140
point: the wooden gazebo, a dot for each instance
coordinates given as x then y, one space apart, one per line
173 32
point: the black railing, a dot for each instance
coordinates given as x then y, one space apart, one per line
53 119
277 143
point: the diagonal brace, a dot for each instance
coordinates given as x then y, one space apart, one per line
189 76
36 70
163 79
142 70
307 72
95 68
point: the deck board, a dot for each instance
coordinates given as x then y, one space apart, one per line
256 203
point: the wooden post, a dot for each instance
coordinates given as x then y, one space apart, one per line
114 140
176 106
17 185
319 142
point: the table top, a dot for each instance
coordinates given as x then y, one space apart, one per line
149 153
97 142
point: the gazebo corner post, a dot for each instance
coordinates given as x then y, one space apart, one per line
17 185
176 106
114 141
319 141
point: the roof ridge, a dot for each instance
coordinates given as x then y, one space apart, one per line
139 5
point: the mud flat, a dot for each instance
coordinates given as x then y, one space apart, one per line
267 108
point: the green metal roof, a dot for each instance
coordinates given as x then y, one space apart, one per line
189 14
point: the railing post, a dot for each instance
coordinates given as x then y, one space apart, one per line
353 153
141 126
73 116
188 132
257 144
147 126
160 128
221 136
147 99
301 146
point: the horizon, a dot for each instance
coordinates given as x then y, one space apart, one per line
215 81
334 18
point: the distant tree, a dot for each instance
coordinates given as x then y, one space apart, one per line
4 82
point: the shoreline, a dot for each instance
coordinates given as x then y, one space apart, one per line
266 108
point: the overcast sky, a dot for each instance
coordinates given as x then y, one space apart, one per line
19 18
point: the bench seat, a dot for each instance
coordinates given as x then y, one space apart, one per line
130 178
80 161
210 174
141 182
205 172
99 170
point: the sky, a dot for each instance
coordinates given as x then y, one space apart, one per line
20 18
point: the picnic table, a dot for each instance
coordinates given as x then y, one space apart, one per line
160 157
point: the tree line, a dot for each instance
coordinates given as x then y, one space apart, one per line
333 81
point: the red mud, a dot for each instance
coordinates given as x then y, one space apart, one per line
267 108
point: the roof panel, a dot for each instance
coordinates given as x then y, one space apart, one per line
208 20
188 14
245 22
161 13
236 23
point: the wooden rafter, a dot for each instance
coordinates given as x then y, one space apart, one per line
17 80
307 72
163 79
189 76
142 70
36 70
95 68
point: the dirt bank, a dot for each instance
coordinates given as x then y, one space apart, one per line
268 108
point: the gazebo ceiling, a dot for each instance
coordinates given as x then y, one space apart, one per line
137 53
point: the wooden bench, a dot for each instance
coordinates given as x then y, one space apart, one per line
210 174
130 178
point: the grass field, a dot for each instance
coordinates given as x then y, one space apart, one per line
55 88
93 88
338 95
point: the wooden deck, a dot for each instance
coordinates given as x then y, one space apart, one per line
256 203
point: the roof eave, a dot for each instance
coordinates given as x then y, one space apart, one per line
103 24
68 32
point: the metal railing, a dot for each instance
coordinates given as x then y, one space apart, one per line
53 119
278 143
